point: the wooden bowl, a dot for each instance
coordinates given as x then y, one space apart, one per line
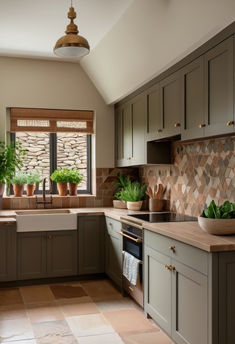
217 226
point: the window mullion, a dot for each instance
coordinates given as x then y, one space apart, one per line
53 158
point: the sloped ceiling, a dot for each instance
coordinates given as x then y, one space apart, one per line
150 37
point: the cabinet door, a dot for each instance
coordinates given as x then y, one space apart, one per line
91 245
171 104
119 136
189 305
139 130
7 253
61 253
154 114
193 114
219 89
31 255
113 256
157 288
127 134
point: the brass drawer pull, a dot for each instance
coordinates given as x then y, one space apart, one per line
159 130
169 267
131 289
201 125
172 248
138 240
229 123
177 125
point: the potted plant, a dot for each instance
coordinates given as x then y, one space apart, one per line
74 178
61 177
33 178
120 185
11 159
133 194
218 220
18 181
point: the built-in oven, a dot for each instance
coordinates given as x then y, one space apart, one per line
133 244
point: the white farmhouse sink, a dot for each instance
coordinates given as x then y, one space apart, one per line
45 220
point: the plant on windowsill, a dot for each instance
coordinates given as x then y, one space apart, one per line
18 181
74 179
133 194
120 185
61 177
33 178
11 159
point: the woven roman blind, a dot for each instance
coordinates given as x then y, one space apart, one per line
48 120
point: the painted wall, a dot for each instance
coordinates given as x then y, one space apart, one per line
151 36
50 84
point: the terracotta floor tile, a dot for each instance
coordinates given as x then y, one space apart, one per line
148 338
114 304
111 338
47 329
67 291
79 306
26 341
32 294
101 289
89 325
43 312
10 296
56 339
12 312
17 329
120 320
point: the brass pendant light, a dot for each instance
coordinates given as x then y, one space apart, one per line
71 45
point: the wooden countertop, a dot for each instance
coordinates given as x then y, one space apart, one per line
186 232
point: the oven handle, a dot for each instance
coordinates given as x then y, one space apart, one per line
138 240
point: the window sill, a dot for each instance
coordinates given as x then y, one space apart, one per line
49 195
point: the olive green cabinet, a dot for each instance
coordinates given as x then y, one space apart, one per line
7 252
113 251
119 136
127 134
193 119
46 254
90 244
154 115
219 83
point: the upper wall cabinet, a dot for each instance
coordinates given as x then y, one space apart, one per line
219 80
193 117
154 114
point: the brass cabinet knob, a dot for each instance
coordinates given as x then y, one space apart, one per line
201 125
131 289
110 223
177 125
229 123
170 267
159 130
172 248
49 236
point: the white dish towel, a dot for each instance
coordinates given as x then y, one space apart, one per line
130 267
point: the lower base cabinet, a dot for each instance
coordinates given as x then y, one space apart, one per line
47 254
7 252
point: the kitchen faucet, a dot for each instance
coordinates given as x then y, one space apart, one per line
44 201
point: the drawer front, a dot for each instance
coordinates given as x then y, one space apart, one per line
184 253
113 225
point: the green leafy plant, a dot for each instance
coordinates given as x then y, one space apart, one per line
33 177
74 176
11 160
61 175
19 179
225 211
120 185
133 192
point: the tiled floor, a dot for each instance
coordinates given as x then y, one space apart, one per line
90 312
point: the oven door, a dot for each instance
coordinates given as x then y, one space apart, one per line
132 244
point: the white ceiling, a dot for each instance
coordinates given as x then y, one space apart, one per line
30 28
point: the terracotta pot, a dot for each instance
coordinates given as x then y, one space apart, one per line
156 204
217 226
18 190
73 189
119 204
2 188
62 188
134 205
30 190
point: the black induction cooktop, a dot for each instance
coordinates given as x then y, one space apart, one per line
164 217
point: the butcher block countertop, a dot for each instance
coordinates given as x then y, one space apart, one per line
186 232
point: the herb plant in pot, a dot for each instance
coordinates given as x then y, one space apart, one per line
18 181
74 178
133 194
218 220
61 177
120 185
33 178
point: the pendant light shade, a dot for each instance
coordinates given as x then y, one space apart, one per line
71 45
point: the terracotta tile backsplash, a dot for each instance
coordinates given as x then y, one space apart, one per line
201 171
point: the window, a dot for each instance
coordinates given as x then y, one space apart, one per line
54 139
